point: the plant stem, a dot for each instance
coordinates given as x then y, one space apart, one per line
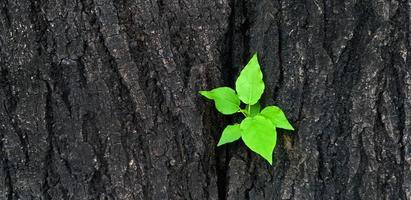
242 111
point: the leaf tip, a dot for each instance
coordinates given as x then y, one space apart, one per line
270 160
255 58
288 127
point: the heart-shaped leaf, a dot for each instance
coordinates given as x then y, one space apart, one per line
250 84
277 117
260 136
225 99
231 133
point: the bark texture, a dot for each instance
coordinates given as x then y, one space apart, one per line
98 98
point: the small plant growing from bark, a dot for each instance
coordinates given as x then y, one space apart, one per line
258 128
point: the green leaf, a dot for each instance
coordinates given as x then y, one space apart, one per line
225 99
277 117
260 136
250 84
231 133
252 110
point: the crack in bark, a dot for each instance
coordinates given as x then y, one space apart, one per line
49 126
5 167
279 51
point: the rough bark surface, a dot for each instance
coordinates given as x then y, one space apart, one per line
98 98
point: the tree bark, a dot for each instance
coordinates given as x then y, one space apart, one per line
99 98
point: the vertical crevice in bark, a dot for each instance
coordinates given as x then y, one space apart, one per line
228 73
48 175
8 184
400 65
5 181
325 24
245 32
279 50
9 105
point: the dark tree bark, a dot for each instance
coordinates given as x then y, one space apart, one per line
98 98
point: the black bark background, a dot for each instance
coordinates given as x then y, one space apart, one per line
98 98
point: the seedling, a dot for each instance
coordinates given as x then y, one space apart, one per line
258 128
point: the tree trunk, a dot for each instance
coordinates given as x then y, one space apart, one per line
99 99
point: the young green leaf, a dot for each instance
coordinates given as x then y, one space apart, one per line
259 135
252 110
225 98
231 133
277 117
250 84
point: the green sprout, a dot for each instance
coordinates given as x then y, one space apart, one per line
258 128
